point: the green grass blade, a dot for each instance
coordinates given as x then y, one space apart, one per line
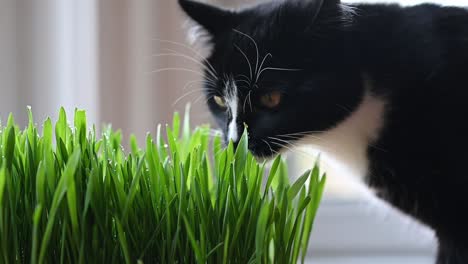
82 198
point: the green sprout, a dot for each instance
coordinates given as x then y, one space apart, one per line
67 196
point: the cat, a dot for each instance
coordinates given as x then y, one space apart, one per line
386 85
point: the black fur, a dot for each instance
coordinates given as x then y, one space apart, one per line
416 58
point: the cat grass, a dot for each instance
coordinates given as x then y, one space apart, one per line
67 196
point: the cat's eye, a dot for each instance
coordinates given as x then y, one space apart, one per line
219 101
271 100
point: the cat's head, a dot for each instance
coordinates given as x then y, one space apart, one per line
282 68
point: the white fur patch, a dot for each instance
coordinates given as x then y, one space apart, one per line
346 144
198 37
232 102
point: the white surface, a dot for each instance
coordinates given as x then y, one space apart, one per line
363 232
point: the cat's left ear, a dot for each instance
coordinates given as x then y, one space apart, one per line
212 19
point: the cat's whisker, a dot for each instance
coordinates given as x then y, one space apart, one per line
206 66
256 46
299 137
216 130
245 76
282 145
261 65
186 47
291 137
285 146
208 89
208 85
305 154
245 101
244 81
250 102
323 144
212 133
309 134
271 149
275 69
188 58
304 133
187 94
177 69
199 98
247 59
280 140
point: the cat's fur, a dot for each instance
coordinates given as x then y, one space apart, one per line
382 87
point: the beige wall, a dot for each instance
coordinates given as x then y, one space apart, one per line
131 97
95 55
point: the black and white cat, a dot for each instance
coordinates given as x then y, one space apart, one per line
387 86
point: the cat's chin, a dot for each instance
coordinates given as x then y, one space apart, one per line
267 155
263 158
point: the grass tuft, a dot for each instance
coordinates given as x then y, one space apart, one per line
70 197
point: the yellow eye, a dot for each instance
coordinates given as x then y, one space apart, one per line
219 101
271 100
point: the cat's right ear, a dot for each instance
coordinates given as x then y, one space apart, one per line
207 18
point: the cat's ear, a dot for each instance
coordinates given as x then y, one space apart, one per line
212 19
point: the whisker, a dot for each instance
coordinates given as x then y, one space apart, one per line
271 149
244 76
200 97
186 94
177 69
256 46
308 133
206 66
261 65
216 130
305 154
275 69
208 84
244 81
210 135
250 102
175 54
245 101
187 47
291 137
246 58
304 133
283 146
298 138
213 133
284 141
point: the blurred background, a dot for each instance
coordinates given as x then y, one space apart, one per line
110 58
